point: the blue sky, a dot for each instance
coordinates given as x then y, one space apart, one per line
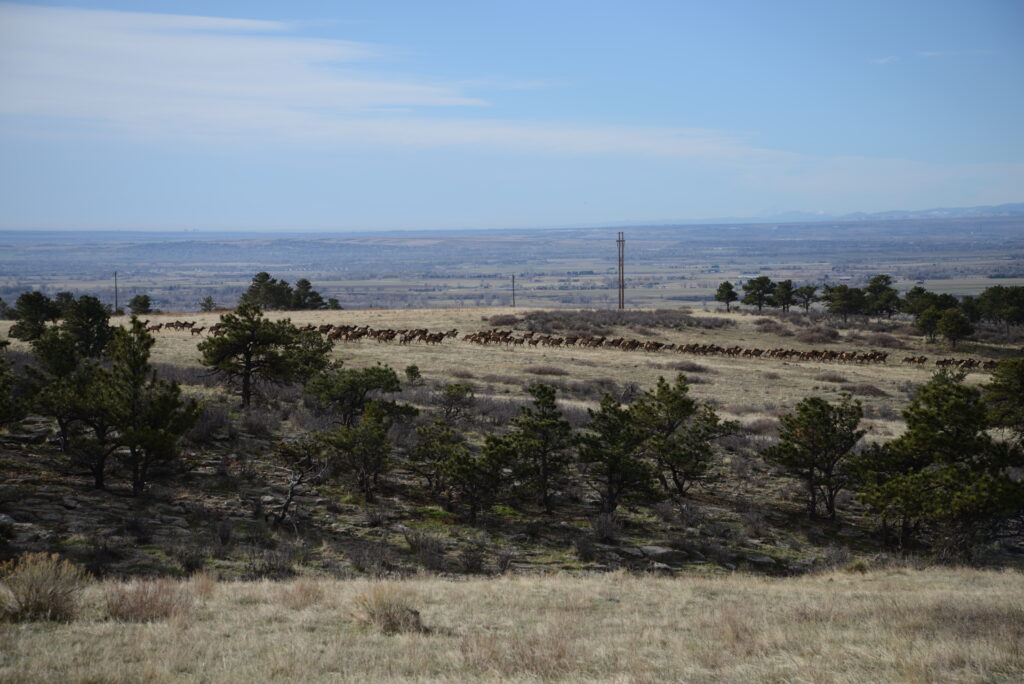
424 115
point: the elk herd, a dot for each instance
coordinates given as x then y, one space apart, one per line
511 339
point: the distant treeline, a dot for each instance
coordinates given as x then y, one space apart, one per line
933 313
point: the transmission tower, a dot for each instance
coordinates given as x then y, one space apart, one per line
621 243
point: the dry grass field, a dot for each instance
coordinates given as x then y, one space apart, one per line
887 625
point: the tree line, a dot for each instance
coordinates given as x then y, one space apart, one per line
97 383
35 309
934 313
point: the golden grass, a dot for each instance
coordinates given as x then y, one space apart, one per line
936 625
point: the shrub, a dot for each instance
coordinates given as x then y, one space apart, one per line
599 322
429 549
605 527
312 419
372 559
830 376
472 559
186 375
689 367
223 538
761 426
301 594
203 584
772 327
214 422
502 320
387 609
545 370
498 411
100 555
261 423
138 529
865 389
818 334
461 374
192 559
858 566
665 511
147 600
586 549
40 586
504 560
690 515
884 340
376 516
413 376
755 524
272 564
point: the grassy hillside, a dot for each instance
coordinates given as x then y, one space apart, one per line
218 514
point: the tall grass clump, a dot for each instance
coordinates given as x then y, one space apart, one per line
148 600
387 609
40 586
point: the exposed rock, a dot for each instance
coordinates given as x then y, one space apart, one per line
631 552
663 554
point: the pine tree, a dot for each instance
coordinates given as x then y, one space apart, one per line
726 293
140 304
954 326
539 446
12 408
148 413
347 391
362 453
437 444
844 300
758 292
678 434
32 311
477 479
1004 398
783 294
610 452
254 349
815 441
805 295
881 298
945 475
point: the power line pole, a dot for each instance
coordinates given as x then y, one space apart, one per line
115 291
621 243
513 290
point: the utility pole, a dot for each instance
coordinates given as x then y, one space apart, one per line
621 243
115 291
513 290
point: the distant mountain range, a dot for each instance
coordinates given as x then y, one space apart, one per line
999 211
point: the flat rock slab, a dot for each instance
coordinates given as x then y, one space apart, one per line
663 554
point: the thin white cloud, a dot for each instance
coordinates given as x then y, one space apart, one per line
157 77
884 60
119 66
